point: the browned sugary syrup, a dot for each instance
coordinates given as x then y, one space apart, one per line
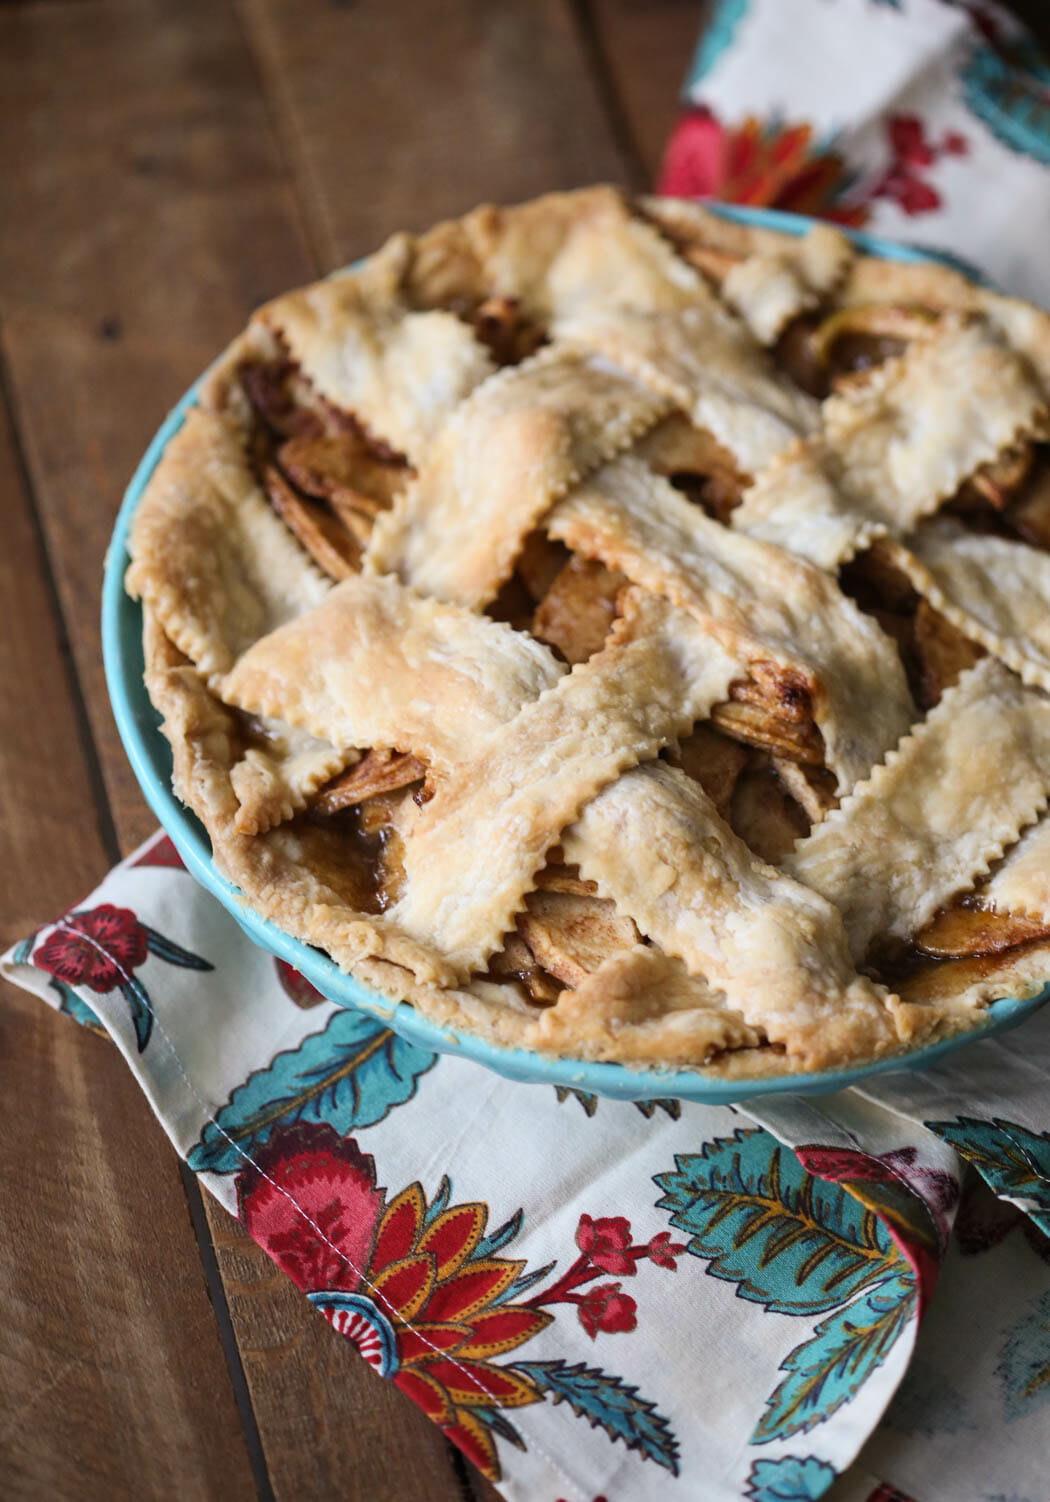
347 858
918 977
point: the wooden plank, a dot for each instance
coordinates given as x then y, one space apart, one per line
154 213
397 118
112 1377
645 48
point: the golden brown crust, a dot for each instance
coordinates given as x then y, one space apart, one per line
271 680
501 461
761 601
944 805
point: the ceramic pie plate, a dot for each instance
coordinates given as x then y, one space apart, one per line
150 757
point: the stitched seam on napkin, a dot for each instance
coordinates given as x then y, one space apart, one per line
376 1292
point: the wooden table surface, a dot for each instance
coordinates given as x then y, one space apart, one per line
166 165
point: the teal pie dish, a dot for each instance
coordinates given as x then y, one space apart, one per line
150 756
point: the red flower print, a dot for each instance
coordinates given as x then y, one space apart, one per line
663 1251
757 162
605 1247
605 1308
606 1242
296 987
884 1492
102 948
913 151
411 1283
421 1289
913 195
160 852
908 140
99 948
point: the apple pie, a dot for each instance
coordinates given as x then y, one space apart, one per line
625 634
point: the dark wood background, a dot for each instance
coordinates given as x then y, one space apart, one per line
165 165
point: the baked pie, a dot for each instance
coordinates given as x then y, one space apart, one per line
626 634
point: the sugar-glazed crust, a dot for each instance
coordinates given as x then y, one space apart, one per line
539 523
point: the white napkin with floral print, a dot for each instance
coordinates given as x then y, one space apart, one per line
674 1303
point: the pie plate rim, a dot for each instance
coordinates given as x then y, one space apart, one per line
150 756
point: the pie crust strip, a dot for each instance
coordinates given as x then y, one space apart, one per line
944 805
771 287
760 600
706 362
473 851
995 590
891 452
555 255
670 1016
274 782
1021 882
377 665
801 501
777 949
355 337
209 557
522 440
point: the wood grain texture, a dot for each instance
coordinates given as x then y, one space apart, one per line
154 111
644 48
112 1378
394 117
153 213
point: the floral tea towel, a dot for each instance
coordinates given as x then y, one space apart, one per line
673 1304
922 120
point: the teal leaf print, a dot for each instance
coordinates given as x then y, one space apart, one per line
23 950
72 1006
716 38
134 993
648 1108
795 1244
792 1478
1024 1363
1012 1160
609 1404
351 1075
587 1101
827 1370
500 1424
69 1002
167 949
1007 88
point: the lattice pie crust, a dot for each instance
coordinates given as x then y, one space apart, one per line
622 633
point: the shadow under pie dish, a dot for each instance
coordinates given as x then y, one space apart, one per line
621 633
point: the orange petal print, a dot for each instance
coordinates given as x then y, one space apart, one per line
470 1291
453 1237
403 1288
399 1227
502 1329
